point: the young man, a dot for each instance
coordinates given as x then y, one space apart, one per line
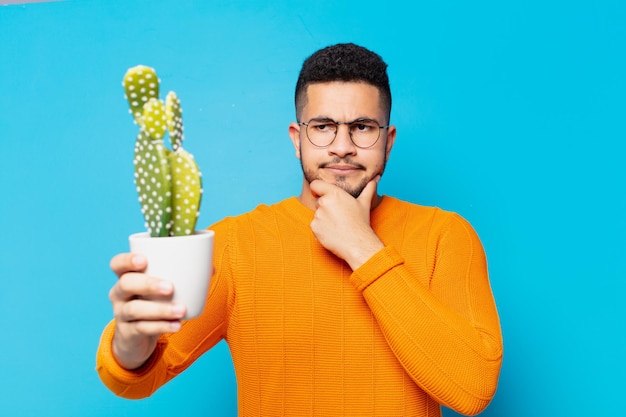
337 302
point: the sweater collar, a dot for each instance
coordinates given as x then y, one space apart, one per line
305 215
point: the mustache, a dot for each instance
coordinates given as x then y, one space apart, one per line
343 161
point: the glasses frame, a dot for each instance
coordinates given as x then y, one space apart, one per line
362 119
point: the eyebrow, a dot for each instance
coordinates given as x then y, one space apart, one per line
328 119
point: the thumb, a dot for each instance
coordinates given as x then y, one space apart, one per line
369 192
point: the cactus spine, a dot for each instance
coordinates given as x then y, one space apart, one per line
168 182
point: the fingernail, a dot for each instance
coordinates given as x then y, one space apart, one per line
178 310
165 287
175 326
139 261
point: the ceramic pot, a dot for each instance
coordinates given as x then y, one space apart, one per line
186 261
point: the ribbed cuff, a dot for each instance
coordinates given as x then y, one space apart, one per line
375 267
111 373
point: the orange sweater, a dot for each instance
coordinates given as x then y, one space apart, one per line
414 327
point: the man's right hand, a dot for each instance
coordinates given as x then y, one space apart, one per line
143 310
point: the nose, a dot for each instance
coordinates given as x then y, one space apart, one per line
342 145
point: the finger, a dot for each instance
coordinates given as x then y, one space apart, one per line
320 188
137 285
156 328
128 262
145 310
147 327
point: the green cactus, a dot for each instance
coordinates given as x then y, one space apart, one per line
168 182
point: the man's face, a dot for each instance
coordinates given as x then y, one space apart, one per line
342 163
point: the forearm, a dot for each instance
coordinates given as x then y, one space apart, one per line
453 358
173 353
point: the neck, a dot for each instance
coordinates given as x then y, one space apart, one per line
306 196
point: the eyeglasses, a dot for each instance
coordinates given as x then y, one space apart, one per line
364 133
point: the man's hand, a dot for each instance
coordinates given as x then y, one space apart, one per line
142 308
342 222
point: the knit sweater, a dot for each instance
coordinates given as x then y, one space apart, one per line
414 327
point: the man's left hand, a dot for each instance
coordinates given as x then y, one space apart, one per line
342 222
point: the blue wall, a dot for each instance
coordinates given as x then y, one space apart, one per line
510 113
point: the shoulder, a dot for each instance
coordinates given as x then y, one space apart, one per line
437 220
392 206
261 214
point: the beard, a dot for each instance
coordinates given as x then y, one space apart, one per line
340 180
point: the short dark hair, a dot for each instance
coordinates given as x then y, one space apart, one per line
344 62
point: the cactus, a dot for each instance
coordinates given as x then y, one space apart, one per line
168 181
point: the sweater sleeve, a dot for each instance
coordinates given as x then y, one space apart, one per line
175 352
445 333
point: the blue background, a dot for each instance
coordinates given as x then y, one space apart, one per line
509 113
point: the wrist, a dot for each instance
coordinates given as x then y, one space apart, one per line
375 267
133 358
360 254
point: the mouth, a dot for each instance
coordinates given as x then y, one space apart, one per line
342 168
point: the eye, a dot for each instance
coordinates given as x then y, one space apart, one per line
322 127
364 126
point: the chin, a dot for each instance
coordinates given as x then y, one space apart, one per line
352 189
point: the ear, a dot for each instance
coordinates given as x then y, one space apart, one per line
391 139
294 134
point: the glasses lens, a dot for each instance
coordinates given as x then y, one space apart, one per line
321 133
364 133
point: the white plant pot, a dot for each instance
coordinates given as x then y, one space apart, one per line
186 261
